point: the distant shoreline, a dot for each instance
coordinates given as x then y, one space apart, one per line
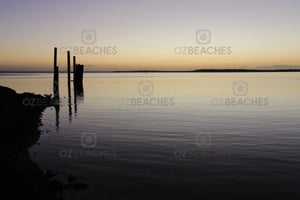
164 71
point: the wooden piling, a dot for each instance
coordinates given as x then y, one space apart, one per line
79 74
78 80
74 67
55 77
55 57
69 68
74 88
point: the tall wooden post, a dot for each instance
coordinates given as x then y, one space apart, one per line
56 87
55 57
69 86
55 77
69 74
75 94
69 69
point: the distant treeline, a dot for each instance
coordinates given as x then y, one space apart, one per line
164 71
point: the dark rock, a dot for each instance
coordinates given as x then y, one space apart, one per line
71 178
80 186
49 174
20 119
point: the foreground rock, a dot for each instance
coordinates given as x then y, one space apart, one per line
20 118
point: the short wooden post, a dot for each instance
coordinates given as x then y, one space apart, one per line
79 72
78 81
74 67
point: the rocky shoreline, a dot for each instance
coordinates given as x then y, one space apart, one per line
20 120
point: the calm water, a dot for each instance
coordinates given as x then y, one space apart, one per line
172 135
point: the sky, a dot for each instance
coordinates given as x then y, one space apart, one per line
108 35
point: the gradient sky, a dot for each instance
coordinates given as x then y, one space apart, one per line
145 33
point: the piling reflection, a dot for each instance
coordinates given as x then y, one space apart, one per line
77 85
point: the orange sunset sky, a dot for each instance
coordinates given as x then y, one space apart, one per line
150 35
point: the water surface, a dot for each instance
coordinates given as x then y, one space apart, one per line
172 135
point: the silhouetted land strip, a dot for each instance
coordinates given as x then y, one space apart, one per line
211 70
20 118
165 71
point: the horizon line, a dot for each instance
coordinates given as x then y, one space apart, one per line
165 71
